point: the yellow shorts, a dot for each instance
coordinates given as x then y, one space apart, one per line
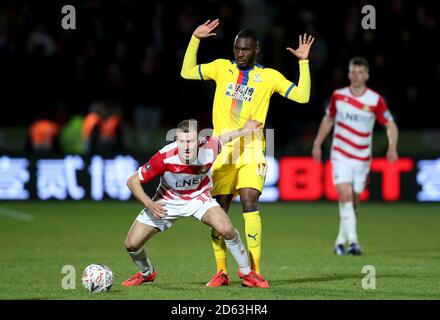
228 179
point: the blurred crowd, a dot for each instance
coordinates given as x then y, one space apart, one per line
100 131
120 67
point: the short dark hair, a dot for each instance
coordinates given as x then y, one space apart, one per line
247 33
188 125
359 61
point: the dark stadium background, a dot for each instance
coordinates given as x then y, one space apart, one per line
114 35
129 54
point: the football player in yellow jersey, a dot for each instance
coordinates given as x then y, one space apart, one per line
243 90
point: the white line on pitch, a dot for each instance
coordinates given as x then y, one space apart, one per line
18 215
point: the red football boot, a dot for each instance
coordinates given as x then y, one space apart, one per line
138 278
219 279
253 279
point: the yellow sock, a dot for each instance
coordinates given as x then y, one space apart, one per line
252 227
219 246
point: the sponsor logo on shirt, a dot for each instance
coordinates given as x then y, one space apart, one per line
187 182
354 117
239 92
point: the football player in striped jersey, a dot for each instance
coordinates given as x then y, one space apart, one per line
352 112
185 168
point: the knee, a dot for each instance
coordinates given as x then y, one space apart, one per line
345 195
249 204
227 231
131 246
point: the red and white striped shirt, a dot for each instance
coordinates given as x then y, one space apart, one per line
177 179
354 122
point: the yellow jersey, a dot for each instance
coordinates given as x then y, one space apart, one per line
241 94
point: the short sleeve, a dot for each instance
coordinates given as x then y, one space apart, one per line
383 115
208 71
331 108
155 167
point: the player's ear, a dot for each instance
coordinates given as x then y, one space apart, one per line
257 48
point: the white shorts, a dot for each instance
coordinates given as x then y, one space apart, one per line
351 172
177 209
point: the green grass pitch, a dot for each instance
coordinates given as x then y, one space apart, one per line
401 240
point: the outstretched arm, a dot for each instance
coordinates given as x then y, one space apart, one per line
248 127
301 92
189 67
324 129
392 133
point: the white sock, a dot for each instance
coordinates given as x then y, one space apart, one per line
341 239
141 260
239 253
348 219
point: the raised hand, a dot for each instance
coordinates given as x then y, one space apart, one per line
205 30
302 53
